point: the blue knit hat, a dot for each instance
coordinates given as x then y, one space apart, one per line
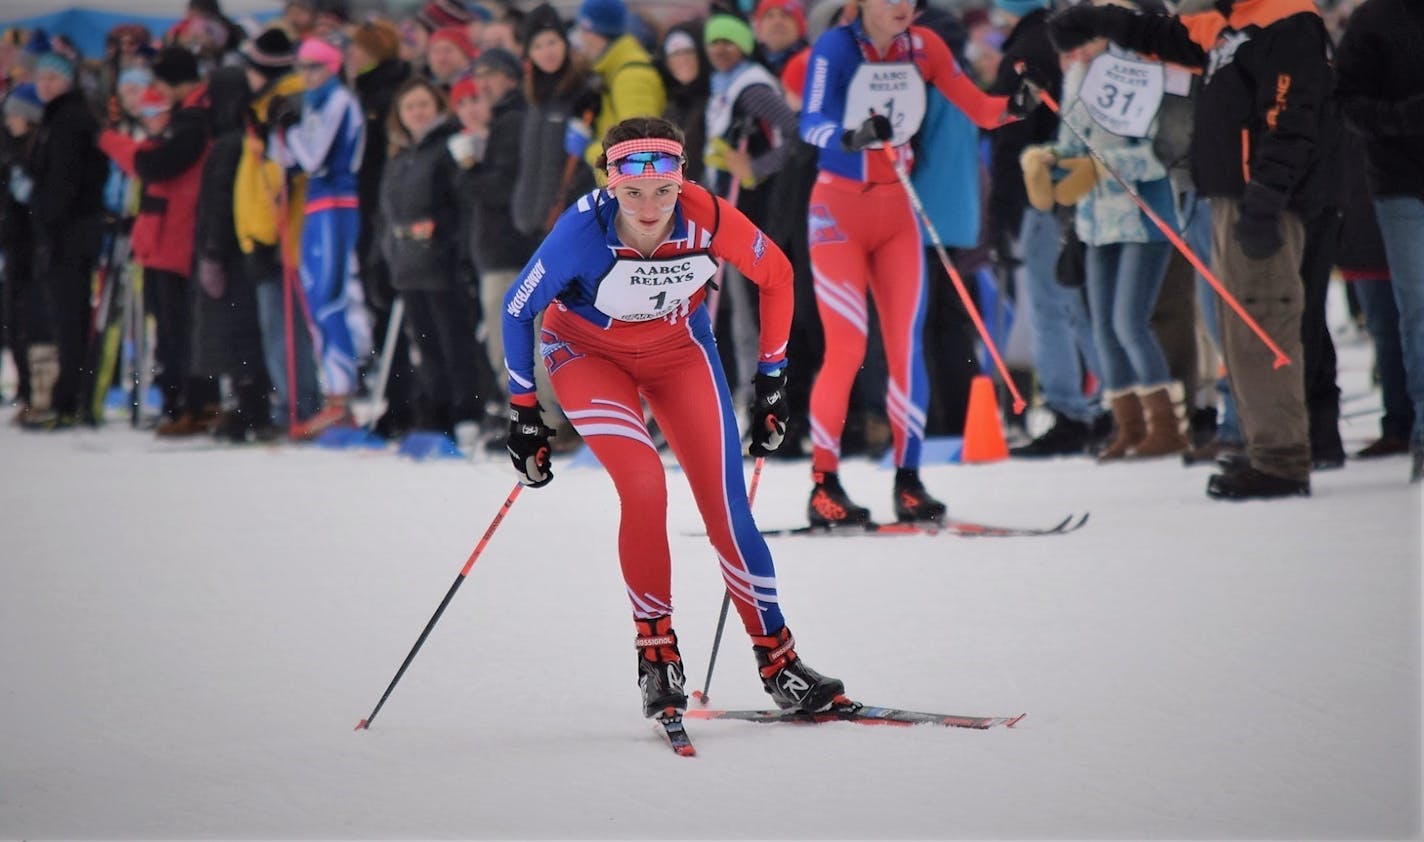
24 101
608 18
56 63
1020 8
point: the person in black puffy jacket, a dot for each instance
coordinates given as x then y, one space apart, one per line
421 242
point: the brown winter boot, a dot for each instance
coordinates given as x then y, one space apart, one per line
1130 424
44 374
1164 430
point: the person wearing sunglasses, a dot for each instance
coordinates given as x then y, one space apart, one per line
623 276
865 90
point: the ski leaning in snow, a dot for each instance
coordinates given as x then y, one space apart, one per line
948 526
849 711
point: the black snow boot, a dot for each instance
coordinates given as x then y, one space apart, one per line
791 683
660 674
1065 438
829 504
1247 483
912 502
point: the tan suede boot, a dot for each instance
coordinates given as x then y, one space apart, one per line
1164 430
1131 425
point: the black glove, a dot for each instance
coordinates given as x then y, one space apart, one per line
283 112
529 445
1077 25
876 127
1258 228
769 413
1024 100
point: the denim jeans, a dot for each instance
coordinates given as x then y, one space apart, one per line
272 317
1401 221
1382 321
1197 212
1062 332
1123 282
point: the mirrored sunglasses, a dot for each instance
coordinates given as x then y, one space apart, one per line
639 163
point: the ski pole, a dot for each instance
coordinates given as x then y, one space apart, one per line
388 353
459 580
904 176
701 695
1181 245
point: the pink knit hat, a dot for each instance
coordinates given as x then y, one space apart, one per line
317 51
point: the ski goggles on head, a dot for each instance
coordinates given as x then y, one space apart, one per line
645 158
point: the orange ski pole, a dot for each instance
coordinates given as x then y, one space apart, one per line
1186 250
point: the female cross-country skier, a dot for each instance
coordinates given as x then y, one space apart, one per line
622 275
866 86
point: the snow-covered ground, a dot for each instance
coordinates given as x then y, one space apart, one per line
187 639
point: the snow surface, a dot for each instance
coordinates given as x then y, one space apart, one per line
187 638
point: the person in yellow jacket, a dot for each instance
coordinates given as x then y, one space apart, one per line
631 84
268 209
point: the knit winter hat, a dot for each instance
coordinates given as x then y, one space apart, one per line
608 18
272 53
795 8
175 66
721 27
438 14
317 51
379 39
55 63
1020 8
24 101
500 60
137 75
678 40
458 36
152 103
543 18
466 87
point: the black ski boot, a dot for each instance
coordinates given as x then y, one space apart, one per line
792 684
829 505
912 502
660 675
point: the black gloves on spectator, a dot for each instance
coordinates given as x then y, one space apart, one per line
284 112
1258 228
1076 25
876 127
769 413
529 445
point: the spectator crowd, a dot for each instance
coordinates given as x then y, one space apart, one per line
332 206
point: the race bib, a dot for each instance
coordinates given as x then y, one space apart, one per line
894 90
1123 94
643 290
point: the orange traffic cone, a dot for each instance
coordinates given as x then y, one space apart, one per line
983 434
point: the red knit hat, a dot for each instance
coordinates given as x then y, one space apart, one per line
458 36
466 87
795 8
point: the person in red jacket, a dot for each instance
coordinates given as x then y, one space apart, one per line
169 164
623 276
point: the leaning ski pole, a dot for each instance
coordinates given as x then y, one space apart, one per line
459 580
701 695
900 172
1181 245
388 352
734 194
